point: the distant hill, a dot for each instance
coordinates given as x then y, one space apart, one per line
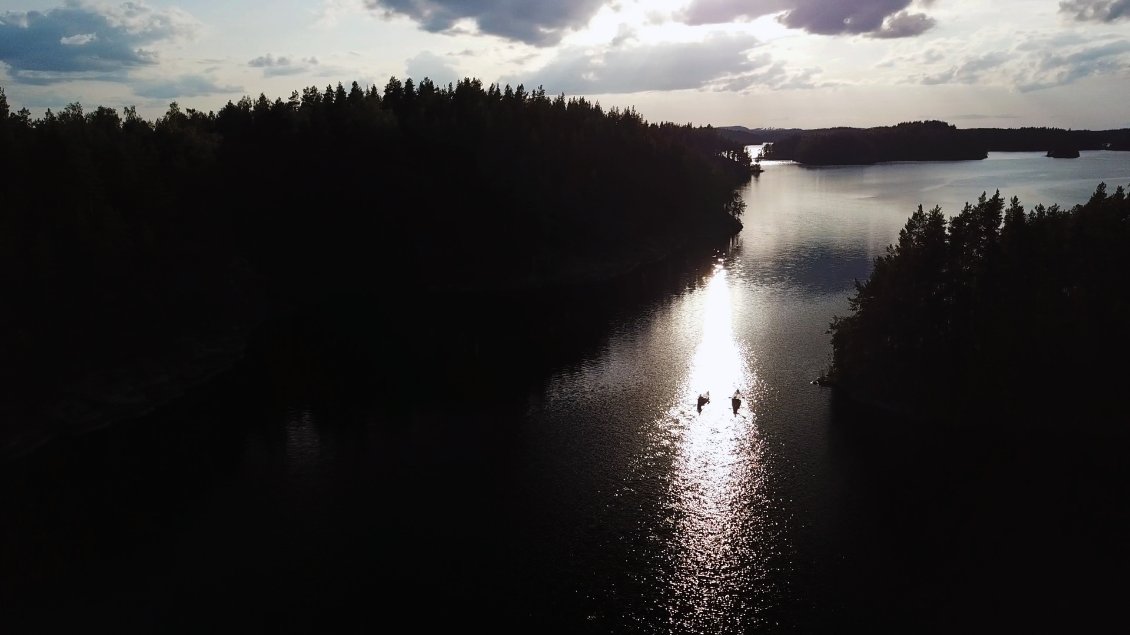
908 141
755 136
917 141
1044 139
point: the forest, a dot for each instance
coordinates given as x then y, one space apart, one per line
922 141
756 136
1032 139
997 314
908 141
126 239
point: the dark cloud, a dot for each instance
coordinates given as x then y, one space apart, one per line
268 61
46 78
721 62
538 22
1096 10
183 86
276 66
880 18
77 41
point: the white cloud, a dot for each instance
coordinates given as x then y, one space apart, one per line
721 62
1058 69
1036 62
434 67
190 85
78 40
971 70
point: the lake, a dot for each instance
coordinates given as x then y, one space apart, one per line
592 494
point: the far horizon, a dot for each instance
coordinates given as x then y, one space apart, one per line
774 64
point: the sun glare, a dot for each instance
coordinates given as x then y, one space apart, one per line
718 472
658 22
717 363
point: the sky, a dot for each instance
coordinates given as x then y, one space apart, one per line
756 63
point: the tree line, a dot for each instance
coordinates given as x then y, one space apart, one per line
997 313
908 141
120 234
1042 139
930 141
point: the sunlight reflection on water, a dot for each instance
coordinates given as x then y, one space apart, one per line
717 552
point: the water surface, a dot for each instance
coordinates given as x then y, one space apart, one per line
590 496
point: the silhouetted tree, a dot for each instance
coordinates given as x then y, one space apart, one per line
1001 316
127 236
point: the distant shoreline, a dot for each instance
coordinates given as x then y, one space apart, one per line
917 141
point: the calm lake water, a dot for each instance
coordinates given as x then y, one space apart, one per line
592 496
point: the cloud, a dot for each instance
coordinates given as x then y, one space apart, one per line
721 62
1055 41
904 24
1035 63
769 73
432 66
1066 68
970 71
1097 10
721 11
624 34
80 41
537 22
182 86
331 13
278 66
879 18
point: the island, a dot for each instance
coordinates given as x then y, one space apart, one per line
909 141
1063 153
